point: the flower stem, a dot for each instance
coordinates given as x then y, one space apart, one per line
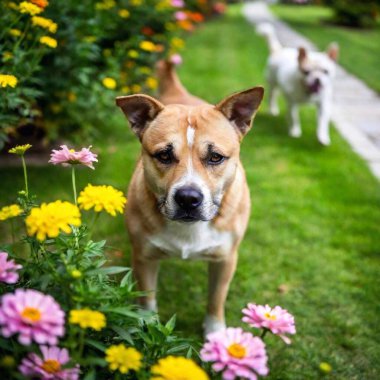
25 176
264 333
74 184
93 223
12 231
81 342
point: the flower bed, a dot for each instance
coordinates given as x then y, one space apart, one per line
63 62
64 314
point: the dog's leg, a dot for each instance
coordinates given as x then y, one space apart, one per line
146 273
294 120
273 104
220 276
324 113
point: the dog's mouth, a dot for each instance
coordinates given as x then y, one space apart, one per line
315 87
187 217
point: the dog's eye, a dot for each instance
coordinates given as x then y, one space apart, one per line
215 158
306 72
165 157
325 71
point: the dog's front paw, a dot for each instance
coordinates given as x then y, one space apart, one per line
212 324
295 132
324 140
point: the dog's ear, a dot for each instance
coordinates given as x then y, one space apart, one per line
302 57
140 110
240 108
333 51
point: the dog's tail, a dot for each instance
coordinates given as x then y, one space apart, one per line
167 77
267 30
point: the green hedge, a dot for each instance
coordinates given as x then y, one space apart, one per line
103 49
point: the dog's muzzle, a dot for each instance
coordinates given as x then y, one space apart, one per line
189 199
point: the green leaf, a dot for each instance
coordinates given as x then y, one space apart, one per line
108 270
170 324
94 361
91 375
124 334
96 344
123 311
126 279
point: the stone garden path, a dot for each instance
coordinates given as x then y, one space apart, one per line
356 111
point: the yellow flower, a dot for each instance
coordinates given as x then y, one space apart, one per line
7 55
106 4
107 52
145 70
109 83
15 32
177 43
51 42
136 88
50 219
75 273
102 198
89 39
7 362
26 7
87 318
125 89
71 97
174 368
170 26
8 80
136 2
44 23
151 83
325 367
19 149
123 359
124 13
147 45
56 108
133 53
12 5
10 211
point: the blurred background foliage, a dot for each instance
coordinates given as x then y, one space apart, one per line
70 58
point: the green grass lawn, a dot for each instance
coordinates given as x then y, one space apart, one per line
314 226
359 49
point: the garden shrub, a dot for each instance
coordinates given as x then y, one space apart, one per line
63 62
355 13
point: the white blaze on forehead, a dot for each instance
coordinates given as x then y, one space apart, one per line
190 134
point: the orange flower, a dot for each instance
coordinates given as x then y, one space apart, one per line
147 31
41 3
195 16
185 25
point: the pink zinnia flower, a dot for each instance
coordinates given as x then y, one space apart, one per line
180 16
8 269
175 59
50 365
177 3
33 315
277 320
66 157
236 353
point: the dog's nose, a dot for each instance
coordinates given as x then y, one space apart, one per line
188 198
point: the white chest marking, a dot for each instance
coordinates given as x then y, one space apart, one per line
198 240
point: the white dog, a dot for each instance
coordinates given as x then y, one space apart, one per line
303 76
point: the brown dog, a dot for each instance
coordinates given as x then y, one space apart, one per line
188 197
